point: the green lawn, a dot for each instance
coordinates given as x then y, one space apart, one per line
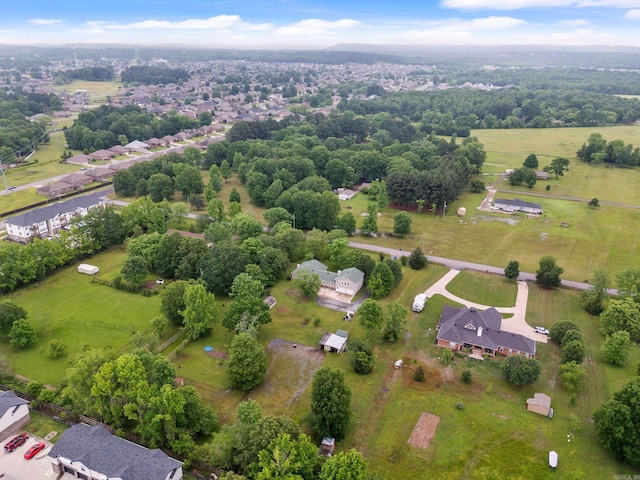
481 287
41 426
508 149
595 238
69 307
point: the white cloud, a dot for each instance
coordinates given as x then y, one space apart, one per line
633 14
521 4
315 26
220 22
490 23
579 22
45 21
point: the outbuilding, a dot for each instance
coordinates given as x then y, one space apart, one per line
88 269
540 404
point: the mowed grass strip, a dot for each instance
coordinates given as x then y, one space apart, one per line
484 288
69 307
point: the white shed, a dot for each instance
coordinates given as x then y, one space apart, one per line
462 211
398 364
88 269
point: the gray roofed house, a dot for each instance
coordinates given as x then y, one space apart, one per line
348 281
55 189
102 154
479 331
79 159
136 146
517 205
14 413
118 150
46 221
92 452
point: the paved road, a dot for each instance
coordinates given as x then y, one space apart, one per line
478 267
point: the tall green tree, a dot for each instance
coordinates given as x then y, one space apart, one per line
370 316
402 223
247 312
247 364
594 299
621 315
307 283
548 275
160 186
347 222
417 259
617 421
330 404
189 181
512 270
234 196
395 321
382 281
558 166
22 334
520 371
135 269
200 311
573 376
288 458
615 348
370 222
9 313
345 465
531 161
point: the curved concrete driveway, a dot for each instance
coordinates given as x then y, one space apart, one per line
516 324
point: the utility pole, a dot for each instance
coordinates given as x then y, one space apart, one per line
444 209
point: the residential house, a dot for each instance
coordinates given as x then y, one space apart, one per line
102 155
118 150
77 179
348 281
517 205
154 142
47 221
136 146
91 452
55 189
79 159
345 193
479 332
14 413
100 174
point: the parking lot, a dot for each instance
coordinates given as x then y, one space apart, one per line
13 466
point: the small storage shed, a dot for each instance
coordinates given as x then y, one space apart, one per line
331 342
88 269
327 446
540 403
398 364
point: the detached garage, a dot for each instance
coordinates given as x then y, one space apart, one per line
88 269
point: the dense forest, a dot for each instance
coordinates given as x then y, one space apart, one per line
18 136
93 74
460 110
150 75
107 126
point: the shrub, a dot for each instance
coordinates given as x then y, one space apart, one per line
418 375
467 376
362 362
56 348
572 335
520 371
557 331
316 321
460 406
573 351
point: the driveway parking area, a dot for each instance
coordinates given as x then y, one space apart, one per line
13 466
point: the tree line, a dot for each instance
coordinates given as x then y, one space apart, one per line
108 125
615 152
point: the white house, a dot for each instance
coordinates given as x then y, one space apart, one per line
14 413
47 221
91 452
334 342
517 205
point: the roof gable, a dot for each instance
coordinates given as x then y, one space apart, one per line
9 400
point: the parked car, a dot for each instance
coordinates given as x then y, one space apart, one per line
541 330
34 450
15 442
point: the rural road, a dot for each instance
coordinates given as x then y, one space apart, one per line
478 267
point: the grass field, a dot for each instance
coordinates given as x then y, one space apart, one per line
69 307
480 287
97 91
508 149
41 426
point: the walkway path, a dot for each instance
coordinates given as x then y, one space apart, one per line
516 324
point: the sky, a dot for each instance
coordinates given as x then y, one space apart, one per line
300 24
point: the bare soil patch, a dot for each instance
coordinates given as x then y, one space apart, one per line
424 430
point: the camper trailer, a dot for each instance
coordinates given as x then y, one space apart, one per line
419 302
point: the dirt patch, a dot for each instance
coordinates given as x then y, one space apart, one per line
281 310
501 417
217 354
424 430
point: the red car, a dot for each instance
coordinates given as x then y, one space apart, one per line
33 451
15 442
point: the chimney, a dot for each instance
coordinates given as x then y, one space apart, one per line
479 331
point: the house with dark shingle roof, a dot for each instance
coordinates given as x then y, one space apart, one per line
14 413
91 452
517 205
348 281
46 221
479 332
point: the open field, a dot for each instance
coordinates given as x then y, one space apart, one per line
98 91
69 307
596 238
508 149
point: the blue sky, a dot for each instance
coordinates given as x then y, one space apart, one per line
321 23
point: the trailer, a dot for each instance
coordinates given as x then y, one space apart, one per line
419 302
88 269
